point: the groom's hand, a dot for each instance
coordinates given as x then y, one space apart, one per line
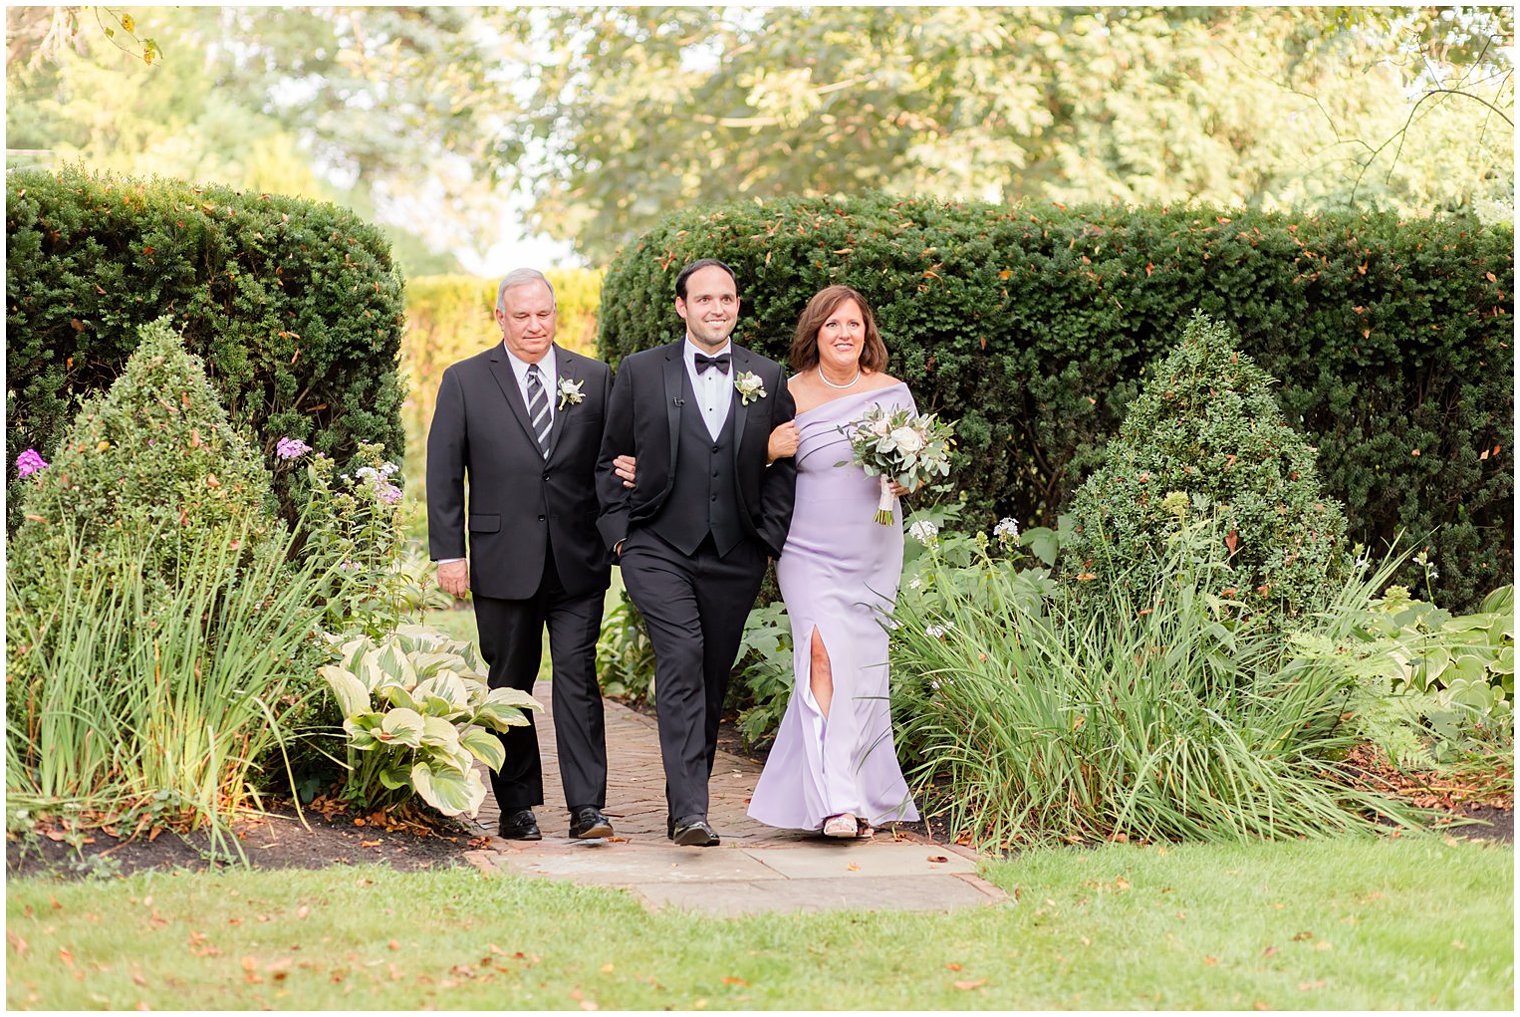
454 577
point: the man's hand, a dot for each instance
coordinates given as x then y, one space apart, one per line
783 442
454 578
623 466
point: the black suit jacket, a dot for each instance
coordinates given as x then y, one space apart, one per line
643 420
519 502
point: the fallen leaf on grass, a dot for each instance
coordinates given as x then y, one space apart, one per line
17 943
607 969
1269 951
138 979
731 980
1260 1004
369 843
853 867
394 945
1210 961
953 966
971 985
1302 937
1316 984
302 911
65 956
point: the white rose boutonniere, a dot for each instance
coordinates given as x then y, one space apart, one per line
750 387
570 393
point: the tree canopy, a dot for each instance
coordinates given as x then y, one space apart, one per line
596 122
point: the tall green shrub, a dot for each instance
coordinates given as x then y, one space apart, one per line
294 305
1035 327
1205 437
155 453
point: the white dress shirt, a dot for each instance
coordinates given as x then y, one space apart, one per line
547 375
714 388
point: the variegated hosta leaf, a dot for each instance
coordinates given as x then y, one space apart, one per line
362 730
430 663
352 652
402 726
440 733
448 790
396 776
397 695
443 695
484 746
499 717
513 697
396 663
348 690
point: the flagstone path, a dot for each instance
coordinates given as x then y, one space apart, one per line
756 868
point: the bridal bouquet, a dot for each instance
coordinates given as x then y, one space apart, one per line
900 446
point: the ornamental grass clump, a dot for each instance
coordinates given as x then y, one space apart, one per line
1205 439
1035 718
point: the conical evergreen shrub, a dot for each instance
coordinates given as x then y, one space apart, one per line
156 453
1205 437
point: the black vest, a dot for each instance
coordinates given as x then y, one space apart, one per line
704 497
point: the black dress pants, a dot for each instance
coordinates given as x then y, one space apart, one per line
511 640
695 607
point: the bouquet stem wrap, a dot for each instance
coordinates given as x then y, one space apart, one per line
884 505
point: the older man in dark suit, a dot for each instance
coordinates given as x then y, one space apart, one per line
522 423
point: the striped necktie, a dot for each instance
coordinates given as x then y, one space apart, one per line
538 408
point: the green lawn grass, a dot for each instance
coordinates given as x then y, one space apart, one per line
1413 923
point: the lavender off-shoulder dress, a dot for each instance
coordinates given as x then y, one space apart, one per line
838 573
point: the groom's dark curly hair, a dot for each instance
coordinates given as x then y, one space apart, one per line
697 266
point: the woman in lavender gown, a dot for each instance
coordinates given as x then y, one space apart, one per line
834 767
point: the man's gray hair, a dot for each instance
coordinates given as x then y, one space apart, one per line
521 277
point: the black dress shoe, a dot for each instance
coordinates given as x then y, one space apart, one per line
519 824
693 831
588 823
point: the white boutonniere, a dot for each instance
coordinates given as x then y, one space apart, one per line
750 387
570 393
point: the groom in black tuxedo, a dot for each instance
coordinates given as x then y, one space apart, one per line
694 534
523 422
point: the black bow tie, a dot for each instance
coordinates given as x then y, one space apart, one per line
720 362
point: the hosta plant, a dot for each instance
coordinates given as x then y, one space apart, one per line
418 714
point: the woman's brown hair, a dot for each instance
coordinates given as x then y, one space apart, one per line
873 355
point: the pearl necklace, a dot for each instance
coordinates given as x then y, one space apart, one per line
849 384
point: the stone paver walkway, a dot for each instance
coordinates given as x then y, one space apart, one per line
756 868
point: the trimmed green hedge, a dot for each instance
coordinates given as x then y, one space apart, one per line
1035 326
293 305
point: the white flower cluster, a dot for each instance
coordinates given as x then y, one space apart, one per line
379 481
925 532
938 631
1006 530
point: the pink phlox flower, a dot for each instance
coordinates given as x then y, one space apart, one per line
29 462
291 448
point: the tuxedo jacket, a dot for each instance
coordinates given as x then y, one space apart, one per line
643 420
519 502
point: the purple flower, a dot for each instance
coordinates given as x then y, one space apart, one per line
350 566
388 493
29 462
291 448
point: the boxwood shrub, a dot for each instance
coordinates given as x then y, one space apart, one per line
293 305
1034 326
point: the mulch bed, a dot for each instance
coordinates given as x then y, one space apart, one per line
330 836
